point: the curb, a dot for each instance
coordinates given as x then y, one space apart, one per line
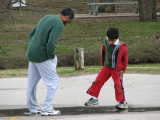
80 110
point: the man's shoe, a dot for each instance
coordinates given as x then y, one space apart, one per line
50 113
91 102
35 112
122 105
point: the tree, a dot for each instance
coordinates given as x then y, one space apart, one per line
147 10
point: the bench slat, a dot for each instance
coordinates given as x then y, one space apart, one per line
112 3
93 7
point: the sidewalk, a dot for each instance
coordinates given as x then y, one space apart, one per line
142 94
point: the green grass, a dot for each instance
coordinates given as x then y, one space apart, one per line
144 67
91 37
70 71
139 37
142 38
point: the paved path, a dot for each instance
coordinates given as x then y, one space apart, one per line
141 90
118 116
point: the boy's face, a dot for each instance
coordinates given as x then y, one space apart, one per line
111 42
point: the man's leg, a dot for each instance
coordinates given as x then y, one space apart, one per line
102 77
49 75
33 79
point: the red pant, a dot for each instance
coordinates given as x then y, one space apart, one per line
102 77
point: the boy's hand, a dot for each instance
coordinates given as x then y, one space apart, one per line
121 74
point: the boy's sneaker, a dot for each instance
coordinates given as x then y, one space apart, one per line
122 105
50 113
91 102
35 112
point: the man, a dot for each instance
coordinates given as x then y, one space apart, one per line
43 61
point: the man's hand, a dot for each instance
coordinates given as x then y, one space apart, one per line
121 74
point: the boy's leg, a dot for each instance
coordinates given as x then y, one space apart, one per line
33 79
49 75
118 86
102 77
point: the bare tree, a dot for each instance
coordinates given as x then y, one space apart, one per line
147 10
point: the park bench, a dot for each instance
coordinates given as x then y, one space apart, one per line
93 6
18 3
22 3
5 6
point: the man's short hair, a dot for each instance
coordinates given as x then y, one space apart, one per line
68 12
113 33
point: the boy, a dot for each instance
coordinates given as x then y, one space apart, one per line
114 60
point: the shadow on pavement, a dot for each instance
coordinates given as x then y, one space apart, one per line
80 110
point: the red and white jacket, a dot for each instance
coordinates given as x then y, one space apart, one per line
122 60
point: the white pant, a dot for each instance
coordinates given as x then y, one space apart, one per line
47 71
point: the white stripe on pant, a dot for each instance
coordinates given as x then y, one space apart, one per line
47 71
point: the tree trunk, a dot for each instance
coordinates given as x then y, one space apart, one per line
147 10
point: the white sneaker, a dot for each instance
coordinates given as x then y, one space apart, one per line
91 102
50 113
122 105
36 112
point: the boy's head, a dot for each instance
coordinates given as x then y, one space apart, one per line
112 35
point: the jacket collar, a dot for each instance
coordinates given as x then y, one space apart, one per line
116 43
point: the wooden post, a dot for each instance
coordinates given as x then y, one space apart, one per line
79 58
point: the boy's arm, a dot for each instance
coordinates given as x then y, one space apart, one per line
125 59
125 62
102 55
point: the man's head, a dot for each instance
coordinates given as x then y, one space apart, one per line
112 35
67 15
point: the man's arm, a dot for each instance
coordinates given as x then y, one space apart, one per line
53 39
32 33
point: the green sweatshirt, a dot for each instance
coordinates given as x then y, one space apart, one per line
43 39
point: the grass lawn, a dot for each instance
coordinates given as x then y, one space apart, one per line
70 71
142 38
